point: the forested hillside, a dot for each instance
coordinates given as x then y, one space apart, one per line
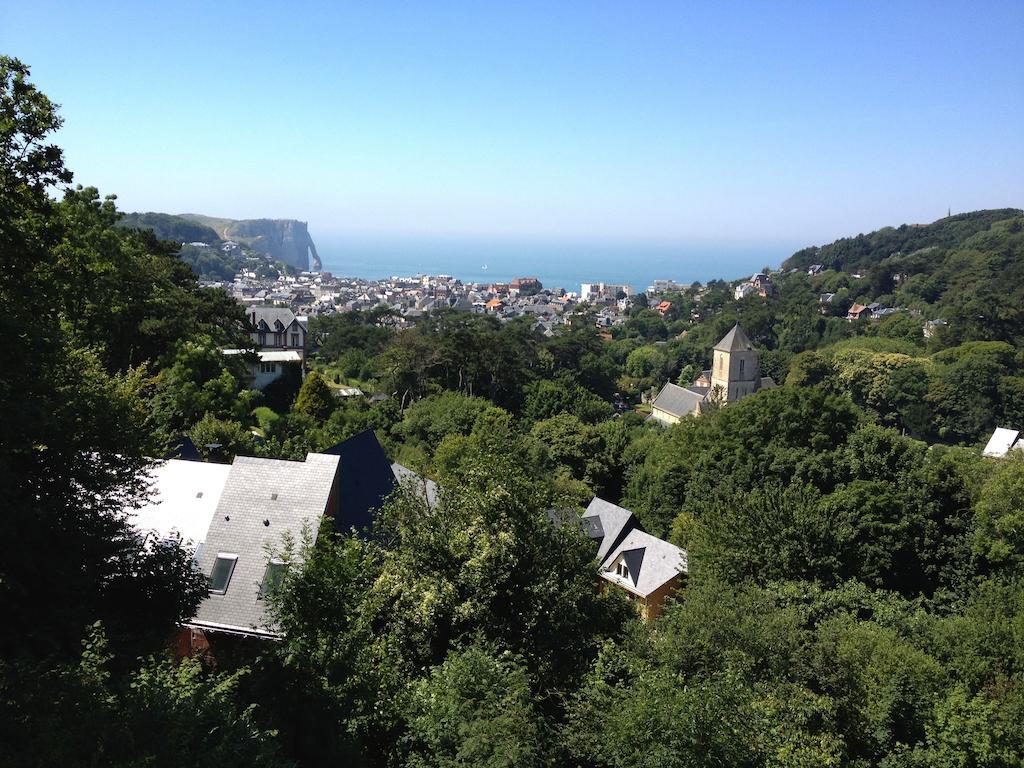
176 229
855 593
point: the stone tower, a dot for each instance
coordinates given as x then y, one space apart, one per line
736 367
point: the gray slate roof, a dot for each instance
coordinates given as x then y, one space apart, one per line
425 485
615 523
677 400
249 520
269 315
651 561
734 341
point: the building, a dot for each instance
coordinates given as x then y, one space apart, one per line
365 480
858 312
264 505
1001 443
596 291
183 497
266 366
238 519
277 328
526 286
735 373
646 568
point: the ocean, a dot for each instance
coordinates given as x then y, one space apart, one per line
559 264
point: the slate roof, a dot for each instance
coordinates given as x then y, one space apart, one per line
734 341
615 522
262 500
405 475
651 562
679 401
183 497
365 480
269 315
1000 443
183 448
591 527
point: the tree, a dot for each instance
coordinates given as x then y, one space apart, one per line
999 516
315 399
475 710
74 437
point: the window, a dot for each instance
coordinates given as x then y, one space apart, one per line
223 567
272 578
295 339
277 339
263 338
622 570
741 366
268 367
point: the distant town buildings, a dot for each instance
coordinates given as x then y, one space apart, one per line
609 291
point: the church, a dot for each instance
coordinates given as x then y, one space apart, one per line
735 373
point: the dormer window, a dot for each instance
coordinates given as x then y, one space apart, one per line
223 567
621 569
272 578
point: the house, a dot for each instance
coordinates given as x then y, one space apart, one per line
277 328
931 327
269 365
663 307
764 285
743 290
858 312
263 504
526 286
815 269
735 373
183 497
646 568
1002 442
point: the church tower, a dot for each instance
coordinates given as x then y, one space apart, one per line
736 366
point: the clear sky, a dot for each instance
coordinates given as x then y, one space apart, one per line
700 122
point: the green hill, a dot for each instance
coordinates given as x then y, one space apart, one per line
166 226
863 252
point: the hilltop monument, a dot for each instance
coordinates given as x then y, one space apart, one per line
735 373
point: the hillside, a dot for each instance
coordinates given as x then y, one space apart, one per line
861 253
166 226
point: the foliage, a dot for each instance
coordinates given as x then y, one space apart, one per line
162 714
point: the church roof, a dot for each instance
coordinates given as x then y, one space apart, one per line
735 341
679 401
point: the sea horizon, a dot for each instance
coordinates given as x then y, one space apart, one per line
557 264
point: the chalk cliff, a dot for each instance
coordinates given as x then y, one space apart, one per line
287 240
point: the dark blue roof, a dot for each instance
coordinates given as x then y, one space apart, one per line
183 448
364 481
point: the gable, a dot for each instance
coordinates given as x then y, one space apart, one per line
634 559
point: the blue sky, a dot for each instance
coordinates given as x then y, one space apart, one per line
696 122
